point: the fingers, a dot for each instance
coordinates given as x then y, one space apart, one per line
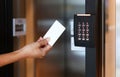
45 50
48 39
40 39
43 45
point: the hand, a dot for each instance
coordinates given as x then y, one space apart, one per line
37 49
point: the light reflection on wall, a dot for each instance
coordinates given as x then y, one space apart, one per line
117 38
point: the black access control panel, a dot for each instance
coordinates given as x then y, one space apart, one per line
84 34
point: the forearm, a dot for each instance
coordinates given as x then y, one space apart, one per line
34 50
11 57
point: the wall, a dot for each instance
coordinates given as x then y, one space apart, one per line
19 12
110 52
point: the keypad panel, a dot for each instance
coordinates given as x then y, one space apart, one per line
84 30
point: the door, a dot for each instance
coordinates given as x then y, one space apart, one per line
62 61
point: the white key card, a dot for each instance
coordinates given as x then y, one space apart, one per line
54 32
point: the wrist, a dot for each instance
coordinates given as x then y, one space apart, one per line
22 53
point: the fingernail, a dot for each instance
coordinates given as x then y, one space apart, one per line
48 39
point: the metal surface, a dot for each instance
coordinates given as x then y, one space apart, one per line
61 61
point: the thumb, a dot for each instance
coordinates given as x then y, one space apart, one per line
40 39
46 50
41 43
